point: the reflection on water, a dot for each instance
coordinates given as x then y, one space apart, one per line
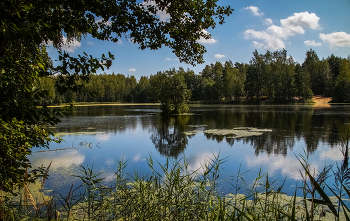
102 134
168 137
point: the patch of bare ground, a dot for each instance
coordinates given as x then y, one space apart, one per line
321 101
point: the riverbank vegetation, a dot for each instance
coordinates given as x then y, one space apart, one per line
271 77
176 193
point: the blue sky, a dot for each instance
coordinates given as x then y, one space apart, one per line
297 26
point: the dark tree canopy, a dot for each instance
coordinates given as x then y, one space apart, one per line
25 28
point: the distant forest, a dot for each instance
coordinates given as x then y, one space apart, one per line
271 77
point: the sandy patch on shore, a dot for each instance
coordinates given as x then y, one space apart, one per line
321 101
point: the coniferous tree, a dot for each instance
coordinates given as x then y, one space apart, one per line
342 86
254 85
302 84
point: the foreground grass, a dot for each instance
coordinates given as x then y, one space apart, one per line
175 193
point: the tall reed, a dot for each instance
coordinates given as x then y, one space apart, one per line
174 192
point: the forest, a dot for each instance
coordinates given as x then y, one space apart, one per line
272 77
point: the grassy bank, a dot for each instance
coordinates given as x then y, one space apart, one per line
81 104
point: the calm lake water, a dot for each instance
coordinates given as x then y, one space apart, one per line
266 138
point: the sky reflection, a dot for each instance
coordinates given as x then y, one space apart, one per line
107 134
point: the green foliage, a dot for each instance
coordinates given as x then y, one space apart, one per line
320 73
284 87
26 26
302 82
311 66
342 87
170 89
256 74
283 81
233 82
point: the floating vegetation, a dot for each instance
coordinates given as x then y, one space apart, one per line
185 114
43 151
78 133
196 126
238 132
192 132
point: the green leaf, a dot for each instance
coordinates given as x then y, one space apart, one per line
320 191
322 202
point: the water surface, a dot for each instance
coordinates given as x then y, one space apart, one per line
97 136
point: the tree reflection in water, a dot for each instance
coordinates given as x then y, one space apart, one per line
168 137
291 125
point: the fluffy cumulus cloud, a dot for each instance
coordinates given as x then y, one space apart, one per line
206 41
218 56
313 43
274 37
336 39
69 46
132 69
268 21
168 59
254 10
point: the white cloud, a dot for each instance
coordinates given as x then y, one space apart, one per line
119 42
90 43
258 45
109 177
301 19
162 15
274 36
255 10
271 41
278 163
168 59
198 161
218 56
66 159
206 41
268 21
132 40
136 158
132 69
102 137
331 154
109 162
69 46
108 23
313 43
336 39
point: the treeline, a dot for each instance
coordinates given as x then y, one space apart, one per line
270 77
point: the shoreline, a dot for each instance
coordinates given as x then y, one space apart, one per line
317 100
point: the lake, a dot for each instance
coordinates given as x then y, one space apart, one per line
250 137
